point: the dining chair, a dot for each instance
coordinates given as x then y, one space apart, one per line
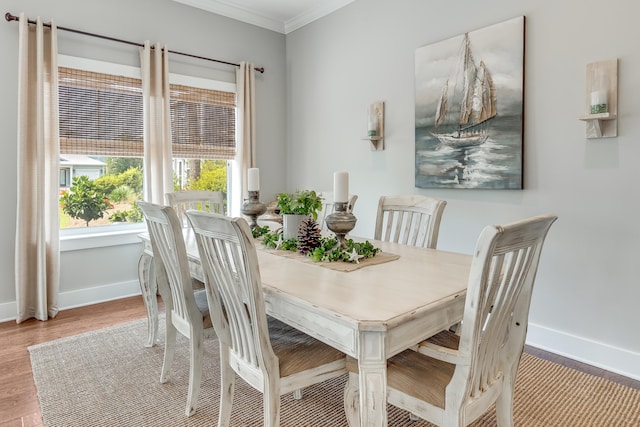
409 219
327 207
451 380
181 201
269 355
187 311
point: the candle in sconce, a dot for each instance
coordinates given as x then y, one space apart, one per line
340 187
254 180
598 102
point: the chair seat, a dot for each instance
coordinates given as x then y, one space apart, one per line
416 375
201 301
297 351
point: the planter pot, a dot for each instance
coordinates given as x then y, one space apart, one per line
290 225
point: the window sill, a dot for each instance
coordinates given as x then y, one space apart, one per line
99 237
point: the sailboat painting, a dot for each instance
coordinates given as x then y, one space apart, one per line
470 109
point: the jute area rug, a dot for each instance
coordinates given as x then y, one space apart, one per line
108 378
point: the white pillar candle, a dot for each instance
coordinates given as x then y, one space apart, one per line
340 187
598 97
254 180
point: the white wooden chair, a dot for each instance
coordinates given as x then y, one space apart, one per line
410 220
327 207
452 380
187 310
269 355
202 200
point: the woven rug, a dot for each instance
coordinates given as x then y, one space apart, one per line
108 378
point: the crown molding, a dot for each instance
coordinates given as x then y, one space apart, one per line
236 12
239 13
322 9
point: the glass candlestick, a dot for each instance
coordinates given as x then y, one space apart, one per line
341 222
253 208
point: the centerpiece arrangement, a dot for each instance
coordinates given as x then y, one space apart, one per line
296 207
301 233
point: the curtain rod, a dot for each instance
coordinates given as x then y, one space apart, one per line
9 17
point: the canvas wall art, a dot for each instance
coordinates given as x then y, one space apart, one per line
470 109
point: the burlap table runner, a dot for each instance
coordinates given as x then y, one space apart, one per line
379 258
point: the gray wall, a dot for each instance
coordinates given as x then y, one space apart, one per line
587 291
107 272
328 72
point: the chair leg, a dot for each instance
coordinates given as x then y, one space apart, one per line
352 400
169 348
271 402
227 386
297 394
504 403
195 371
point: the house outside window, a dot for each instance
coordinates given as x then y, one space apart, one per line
101 138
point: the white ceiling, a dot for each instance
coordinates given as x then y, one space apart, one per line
282 16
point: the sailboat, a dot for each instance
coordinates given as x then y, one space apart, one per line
468 111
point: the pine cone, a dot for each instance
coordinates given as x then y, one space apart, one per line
308 235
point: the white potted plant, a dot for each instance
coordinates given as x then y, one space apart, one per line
295 207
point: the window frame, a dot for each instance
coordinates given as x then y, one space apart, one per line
123 234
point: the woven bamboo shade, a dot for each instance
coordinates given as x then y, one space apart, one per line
101 114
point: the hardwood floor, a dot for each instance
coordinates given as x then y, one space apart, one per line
18 397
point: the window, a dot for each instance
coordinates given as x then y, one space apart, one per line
101 139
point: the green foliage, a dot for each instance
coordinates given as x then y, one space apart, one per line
213 176
328 249
84 200
118 165
302 202
270 240
259 231
121 194
119 216
107 183
132 215
132 178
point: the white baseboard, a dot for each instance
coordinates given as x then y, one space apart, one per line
81 297
601 355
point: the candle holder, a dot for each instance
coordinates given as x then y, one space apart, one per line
340 222
253 208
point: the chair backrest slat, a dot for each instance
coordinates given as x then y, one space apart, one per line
409 219
170 258
230 265
202 200
499 292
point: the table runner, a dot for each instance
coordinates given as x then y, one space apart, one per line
379 258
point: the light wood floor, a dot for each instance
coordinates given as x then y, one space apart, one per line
18 397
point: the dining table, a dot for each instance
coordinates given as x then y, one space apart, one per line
370 311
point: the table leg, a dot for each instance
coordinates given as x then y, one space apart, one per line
373 379
148 287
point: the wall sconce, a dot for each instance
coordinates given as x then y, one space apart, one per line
602 99
375 126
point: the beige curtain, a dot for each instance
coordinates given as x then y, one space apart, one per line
246 131
158 170
37 267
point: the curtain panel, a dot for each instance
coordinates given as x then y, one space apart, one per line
37 256
246 132
157 164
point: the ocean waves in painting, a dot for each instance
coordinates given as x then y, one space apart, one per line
495 164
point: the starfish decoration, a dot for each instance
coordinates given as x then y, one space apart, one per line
279 242
354 256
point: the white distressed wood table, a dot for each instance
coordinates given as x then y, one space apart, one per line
371 313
